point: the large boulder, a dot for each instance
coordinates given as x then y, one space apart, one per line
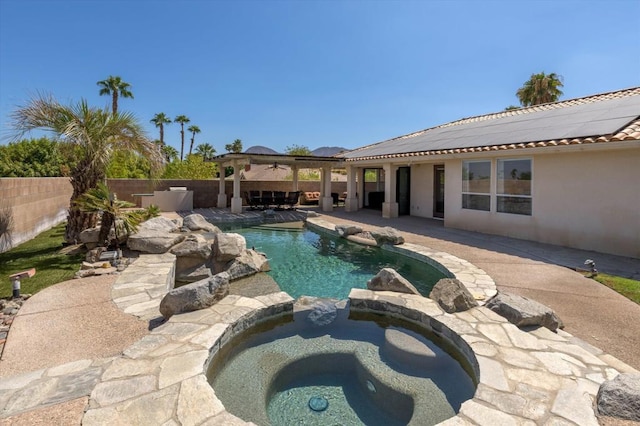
197 222
228 246
194 245
193 259
390 280
522 312
159 223
387 235
620 397
346 230
194 296
248 263
452 296
153 241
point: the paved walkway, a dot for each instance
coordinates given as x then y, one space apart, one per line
590 311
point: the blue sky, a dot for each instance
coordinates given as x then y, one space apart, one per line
311 73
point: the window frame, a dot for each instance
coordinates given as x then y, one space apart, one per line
507 195
471 193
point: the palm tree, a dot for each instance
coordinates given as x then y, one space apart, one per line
541 88
206 150
160 119
116 214
193 129
96 134
170 153
182 119
235 146
114 86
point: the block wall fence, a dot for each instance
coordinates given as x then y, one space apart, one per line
38 204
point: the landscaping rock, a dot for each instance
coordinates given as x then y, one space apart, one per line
387 235
194 245
521 311
193 259
194 296
228 246
83 273
93 255
159 223
346 230
452 296
190 269
390 280
153 241
197 222
620 397
322 313
248 263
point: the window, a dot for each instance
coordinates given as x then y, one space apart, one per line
476 185
514 186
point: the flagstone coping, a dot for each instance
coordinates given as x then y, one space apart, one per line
477 281
535 377
524 377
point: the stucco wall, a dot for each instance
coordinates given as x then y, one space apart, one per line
588 200
422 190
37 204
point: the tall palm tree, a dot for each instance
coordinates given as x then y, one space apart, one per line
115 86
95 133
160 119
193 129
206 150
182 119
541 88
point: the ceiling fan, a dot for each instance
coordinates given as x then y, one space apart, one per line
275 166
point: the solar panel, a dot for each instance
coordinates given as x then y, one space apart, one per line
591 119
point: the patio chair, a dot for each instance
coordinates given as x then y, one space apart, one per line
253 199
279 198
267 199
292 199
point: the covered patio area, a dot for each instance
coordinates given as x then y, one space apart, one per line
296 162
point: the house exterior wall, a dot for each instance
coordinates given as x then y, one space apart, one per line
583 199
422 190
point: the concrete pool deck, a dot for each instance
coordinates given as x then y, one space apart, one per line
579 365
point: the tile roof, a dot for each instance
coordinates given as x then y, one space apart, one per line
607 117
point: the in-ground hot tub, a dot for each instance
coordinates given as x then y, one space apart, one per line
327 366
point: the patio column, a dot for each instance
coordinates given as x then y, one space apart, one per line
294 171
351 202
360 187
236 200
326 200
222 196
390 206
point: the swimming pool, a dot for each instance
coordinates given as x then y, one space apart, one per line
306 263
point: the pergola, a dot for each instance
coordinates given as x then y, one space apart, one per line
296 162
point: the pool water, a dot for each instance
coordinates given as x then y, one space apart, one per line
305 263
278 372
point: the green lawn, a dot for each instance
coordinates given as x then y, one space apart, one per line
625 286
44 253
